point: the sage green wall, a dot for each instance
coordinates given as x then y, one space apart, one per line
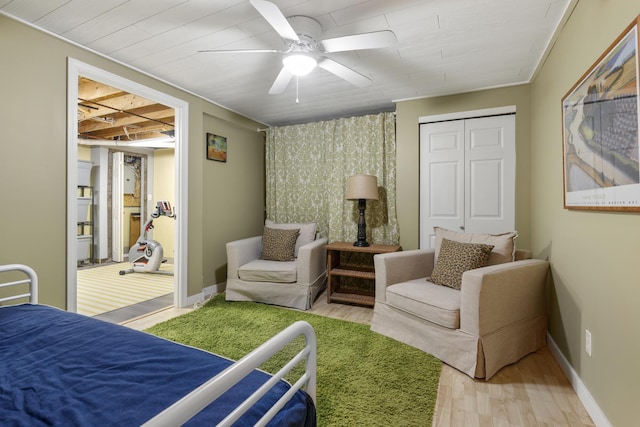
593 254
234 194
408 152
33 161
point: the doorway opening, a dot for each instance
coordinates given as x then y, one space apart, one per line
128 173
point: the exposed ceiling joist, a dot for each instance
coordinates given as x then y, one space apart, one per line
108 113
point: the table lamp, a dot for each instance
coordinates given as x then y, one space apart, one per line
362 188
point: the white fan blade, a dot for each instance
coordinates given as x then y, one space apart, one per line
241 51
345 73
275 18
375 40
281 82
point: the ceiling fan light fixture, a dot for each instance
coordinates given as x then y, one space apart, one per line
299 64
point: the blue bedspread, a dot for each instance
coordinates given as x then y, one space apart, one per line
64 369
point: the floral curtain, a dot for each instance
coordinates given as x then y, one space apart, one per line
307 167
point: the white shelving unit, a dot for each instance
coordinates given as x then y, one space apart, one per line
85 213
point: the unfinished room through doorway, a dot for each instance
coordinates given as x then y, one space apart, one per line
77 70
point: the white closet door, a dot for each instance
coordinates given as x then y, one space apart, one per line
467 176
490 165
442 149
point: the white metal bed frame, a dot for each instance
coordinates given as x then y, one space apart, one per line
32 280
187 407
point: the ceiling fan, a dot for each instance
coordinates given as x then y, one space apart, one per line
305 50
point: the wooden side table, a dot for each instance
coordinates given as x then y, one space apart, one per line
335 270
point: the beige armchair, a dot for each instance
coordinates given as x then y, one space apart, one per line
293 284
497 317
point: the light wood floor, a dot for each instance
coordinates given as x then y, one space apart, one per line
101 289
532 392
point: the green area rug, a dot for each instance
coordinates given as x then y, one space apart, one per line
363 378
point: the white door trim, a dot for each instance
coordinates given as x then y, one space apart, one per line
508 109
75 70
117 250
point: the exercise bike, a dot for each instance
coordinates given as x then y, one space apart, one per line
146 256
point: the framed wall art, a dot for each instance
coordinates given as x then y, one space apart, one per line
600 131
216 147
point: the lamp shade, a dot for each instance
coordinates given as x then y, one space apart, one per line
362 187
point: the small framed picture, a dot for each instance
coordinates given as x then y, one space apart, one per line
216 147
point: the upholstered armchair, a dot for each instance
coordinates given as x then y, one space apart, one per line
294 282
496 317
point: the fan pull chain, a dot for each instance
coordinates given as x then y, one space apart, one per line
297 98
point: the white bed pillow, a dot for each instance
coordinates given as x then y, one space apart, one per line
307 232
504 244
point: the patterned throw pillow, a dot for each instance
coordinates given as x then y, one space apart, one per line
279 244
455 258
307 232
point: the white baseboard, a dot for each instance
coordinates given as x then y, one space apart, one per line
206 292
580 388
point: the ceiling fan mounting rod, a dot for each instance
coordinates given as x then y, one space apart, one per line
308 31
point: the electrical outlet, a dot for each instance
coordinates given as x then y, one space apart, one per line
587 342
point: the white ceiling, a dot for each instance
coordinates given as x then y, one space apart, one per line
444 47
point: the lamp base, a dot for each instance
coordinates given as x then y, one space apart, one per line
362 225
